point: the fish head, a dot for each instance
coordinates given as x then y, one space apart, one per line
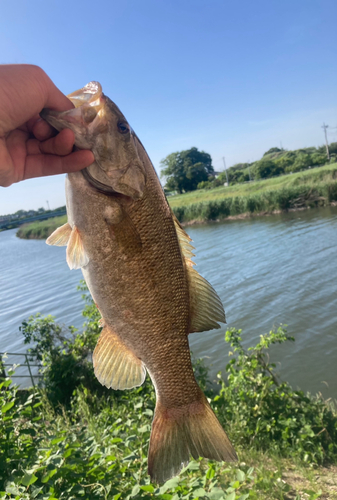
99 125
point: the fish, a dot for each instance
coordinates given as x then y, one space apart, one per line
136 259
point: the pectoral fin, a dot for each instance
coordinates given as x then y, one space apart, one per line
205 305
116 366
76 255
60 236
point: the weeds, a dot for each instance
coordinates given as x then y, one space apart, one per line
95 446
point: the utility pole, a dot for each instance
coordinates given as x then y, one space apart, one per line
223 158
249 171
48 205
324 127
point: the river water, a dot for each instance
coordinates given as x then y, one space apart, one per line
267 271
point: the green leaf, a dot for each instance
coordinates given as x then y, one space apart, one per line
135 490
35 491
28 479
240 475
193 466
147 487
231 496
58 440
12 489
216 494
47 476
210 473
170 484
200 492
7 406
145 428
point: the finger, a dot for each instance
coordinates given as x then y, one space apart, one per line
43 165
7 175
41 129
62 144
26 90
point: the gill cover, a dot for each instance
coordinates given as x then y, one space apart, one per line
99 125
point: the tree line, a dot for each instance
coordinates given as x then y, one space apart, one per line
192 169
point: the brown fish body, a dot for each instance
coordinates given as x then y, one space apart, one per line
141 290
135 259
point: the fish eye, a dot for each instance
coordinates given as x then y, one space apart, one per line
123 128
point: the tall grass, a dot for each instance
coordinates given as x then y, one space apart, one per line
311 177
309 189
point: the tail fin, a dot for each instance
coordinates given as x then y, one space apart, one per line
180 432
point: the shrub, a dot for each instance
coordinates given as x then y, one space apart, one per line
268 414
267 168
64 356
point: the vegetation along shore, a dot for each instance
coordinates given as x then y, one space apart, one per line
73 438
311 188
307 189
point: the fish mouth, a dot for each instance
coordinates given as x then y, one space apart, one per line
89 103
89 94
99 186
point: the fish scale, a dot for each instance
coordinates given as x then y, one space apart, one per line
136 260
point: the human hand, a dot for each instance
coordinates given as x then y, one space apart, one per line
29 147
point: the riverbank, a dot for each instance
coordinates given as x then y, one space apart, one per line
40 230
312 188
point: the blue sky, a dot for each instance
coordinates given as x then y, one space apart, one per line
231 78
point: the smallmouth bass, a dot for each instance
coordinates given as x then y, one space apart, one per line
136 261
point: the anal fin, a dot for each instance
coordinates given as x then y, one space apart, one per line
115 365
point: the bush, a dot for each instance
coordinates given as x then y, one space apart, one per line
268 414
267 168
64 356
96 446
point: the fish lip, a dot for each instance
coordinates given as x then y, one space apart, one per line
99 186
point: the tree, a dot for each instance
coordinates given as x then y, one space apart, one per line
272 150
267 168
184 170
302 162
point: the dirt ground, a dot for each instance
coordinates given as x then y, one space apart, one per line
324 479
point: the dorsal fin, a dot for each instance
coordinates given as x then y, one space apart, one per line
205 305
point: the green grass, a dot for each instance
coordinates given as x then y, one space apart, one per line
40 230
312 188
308 177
